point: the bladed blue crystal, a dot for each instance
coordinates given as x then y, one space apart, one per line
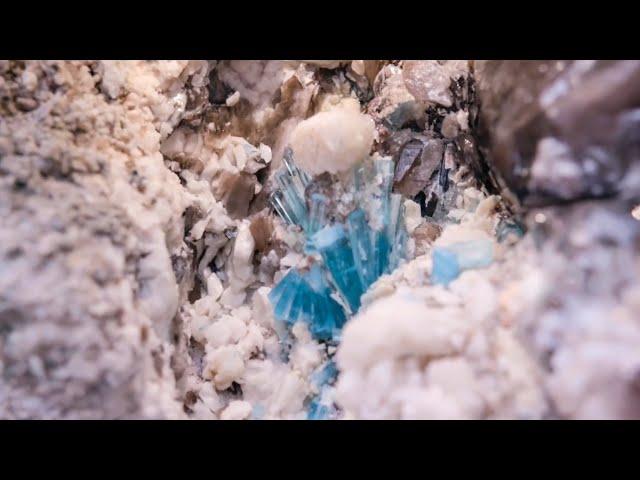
326 374
307 297
319 411
333 245
354 254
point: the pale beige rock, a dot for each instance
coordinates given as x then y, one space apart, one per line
332 141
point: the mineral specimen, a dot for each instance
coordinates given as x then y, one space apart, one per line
353 253
450 261
429 81
307 297
341 137
143 274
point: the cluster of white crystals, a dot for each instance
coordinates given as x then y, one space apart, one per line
423 351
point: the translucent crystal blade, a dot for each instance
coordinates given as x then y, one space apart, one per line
317 214
287 293
333 245
299 177
384 170
278 202
381 252
364 250
293 201
393 216
326 374
318 411
397 232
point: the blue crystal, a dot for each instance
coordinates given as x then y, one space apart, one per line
289 200
354 254
318 411
365 248
395 231
307 297
334 246
317 214
450 261
326 374
506 228
258 412
445 266
283 294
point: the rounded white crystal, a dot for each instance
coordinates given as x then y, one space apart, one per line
332 141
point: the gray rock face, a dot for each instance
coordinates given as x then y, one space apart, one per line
69 279
583 326
89 224
559 131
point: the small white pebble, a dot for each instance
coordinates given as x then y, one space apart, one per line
332 141
233 99
29 80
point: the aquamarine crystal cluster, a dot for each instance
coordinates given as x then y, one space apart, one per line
347 252
306 296
346 249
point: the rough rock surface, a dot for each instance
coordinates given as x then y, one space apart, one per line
91 218
561 130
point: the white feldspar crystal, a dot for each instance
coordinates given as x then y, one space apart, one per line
224 365
232 99
440 358
412 216
332 141
237 410
429 80
255 81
